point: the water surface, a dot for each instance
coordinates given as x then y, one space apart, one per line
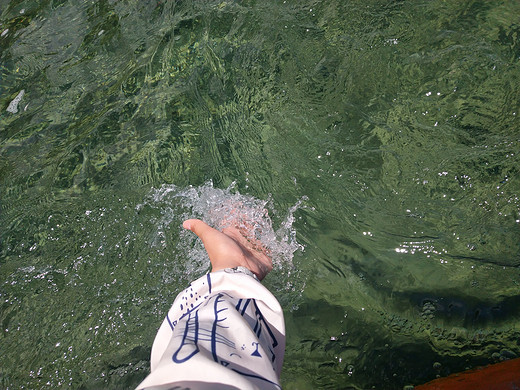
382 135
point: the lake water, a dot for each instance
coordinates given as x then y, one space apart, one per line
382 137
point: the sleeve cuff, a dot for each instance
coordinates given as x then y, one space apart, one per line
240 269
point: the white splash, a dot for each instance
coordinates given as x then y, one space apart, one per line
221 208
165 209
13 106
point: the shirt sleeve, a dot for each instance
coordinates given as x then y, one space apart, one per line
225 331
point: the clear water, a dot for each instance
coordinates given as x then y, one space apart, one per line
381 136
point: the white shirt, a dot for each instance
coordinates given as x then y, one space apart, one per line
225 331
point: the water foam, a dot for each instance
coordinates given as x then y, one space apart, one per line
221 208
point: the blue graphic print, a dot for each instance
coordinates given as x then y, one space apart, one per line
209 335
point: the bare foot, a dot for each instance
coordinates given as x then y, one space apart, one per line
232 247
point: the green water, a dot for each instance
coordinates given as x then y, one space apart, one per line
394 122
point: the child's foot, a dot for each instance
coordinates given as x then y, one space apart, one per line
232 247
